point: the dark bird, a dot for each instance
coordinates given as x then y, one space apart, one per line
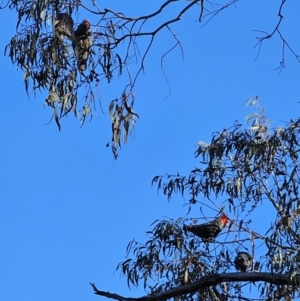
63 26
243 261
210 230
82 43
82 28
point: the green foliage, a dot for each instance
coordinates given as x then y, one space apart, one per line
170 258
122 117
50 65
242 171
49 62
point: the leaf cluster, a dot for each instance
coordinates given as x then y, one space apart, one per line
49 62
171 258
50 66
243 171
123 120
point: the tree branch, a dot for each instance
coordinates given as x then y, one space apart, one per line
207 281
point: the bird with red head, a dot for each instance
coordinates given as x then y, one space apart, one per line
208 231
83 28
82 44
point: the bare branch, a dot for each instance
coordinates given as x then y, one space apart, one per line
270 35
207 281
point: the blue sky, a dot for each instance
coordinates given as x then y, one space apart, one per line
68 209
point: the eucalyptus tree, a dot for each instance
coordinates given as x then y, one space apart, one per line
241 172
45 46
250 176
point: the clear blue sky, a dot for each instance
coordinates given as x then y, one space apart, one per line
68 209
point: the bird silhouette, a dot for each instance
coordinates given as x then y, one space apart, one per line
81 44
243 261
208 231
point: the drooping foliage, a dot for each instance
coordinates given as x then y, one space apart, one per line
49 61
241 171
250 174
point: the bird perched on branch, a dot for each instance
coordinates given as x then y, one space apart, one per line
63 26
82 43
243 261
210 230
